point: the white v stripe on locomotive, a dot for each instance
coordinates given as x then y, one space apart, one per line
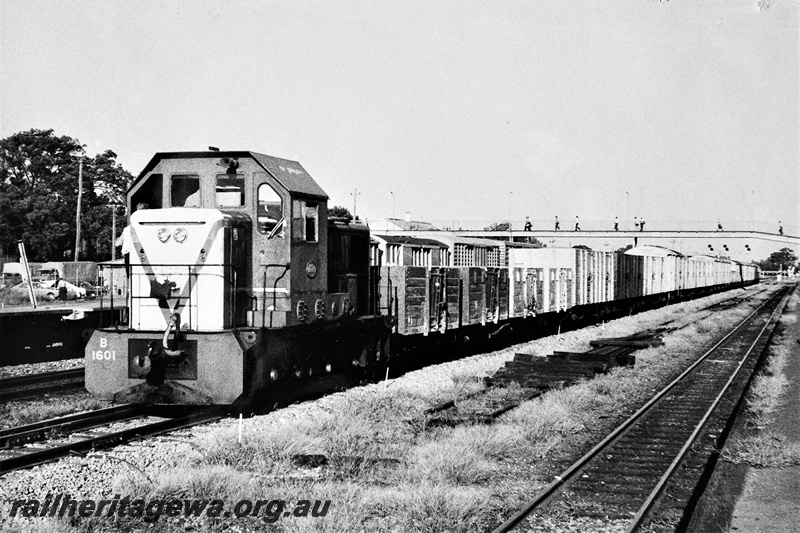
196 268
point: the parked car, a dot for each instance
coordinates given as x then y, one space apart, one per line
73 291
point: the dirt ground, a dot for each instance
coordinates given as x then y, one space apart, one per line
741 498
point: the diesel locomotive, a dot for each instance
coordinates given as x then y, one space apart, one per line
238 285
240 288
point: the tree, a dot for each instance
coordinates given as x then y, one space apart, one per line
338 211
498 226
530 240
780 260
39 194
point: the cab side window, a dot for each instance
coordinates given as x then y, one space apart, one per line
185 190
270 208
311 217
306 221
230 190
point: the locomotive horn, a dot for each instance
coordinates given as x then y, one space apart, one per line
229 162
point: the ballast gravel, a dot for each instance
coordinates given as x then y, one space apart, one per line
40 368
93 476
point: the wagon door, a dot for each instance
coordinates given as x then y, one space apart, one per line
476 297
437 308
492 295
534 292
518 289
564 288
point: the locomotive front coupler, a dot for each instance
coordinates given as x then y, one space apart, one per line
158 355
170 347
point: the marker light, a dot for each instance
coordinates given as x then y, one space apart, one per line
180 235
163 235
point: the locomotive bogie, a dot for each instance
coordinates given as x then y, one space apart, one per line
279 359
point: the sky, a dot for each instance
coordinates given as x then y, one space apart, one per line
466 110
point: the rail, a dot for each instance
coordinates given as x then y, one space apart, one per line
32 385
24 457
624 429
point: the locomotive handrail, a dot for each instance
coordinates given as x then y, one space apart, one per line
111 268
286 267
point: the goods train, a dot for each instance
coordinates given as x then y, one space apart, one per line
241 288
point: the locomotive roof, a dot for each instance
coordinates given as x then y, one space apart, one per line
288 173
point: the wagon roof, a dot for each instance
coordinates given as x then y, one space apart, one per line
290 174
652 250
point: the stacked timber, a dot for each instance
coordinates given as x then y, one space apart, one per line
565 368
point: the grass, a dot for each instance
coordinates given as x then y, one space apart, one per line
766 394
22 413
429 506
461 479
765 450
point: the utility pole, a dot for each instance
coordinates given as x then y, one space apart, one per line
78 215
113 231
627 210
26 272
355 194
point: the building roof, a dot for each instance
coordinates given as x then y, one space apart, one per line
405 239
412 225
450 238
290 174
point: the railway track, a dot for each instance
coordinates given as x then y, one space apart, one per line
536 375
648 469
49 440
32 385
30 445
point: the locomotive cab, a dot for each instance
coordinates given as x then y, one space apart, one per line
287 241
